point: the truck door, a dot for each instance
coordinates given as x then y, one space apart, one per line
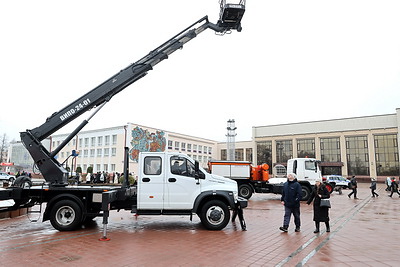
181 186
151 184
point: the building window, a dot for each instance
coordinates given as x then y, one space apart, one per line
194 148
80 142
386 155
176 145
200 149
306 148
239 154
183 146
113 167
85 153
86 142
107 140
357 155
209 150
100 140
284 151
113 152
114 139
224 154
105 168
99 152
74 142
98 168
264 152
91 153
169 144
106 152
93 141
330 149
249 154
189 147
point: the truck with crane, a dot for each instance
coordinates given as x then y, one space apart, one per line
161 188
256 179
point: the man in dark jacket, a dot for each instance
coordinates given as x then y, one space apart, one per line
353 183
291 196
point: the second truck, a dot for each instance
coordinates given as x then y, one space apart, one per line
257 179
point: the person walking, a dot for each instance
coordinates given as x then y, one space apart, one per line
353 182
291 196
394 187
321 214
373 187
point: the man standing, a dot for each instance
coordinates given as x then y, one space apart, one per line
353 182
291 196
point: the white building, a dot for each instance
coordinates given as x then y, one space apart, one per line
103 149
362 146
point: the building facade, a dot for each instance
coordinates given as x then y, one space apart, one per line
103 149
362 146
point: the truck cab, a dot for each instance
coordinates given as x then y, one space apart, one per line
307 171
173 183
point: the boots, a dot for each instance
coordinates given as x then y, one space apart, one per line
316 227
284 228
328 229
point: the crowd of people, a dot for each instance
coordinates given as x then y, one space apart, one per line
320 195
104 177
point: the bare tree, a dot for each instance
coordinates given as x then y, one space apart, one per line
3 147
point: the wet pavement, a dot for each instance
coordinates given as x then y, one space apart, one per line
364 232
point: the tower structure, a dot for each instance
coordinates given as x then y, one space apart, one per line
231 128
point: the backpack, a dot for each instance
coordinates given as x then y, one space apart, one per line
350 185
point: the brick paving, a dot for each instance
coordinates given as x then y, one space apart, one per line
363 233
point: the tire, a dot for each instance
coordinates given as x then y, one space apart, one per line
305 193
330 187
245 191
23 182
66 215
215 215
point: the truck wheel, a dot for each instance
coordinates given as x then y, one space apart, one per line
330 187
215 215
245 191
66 215
305 193
23 182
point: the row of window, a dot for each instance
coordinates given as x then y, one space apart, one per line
241 154
99 152
356 148
203 159
92 141
184 147
98 141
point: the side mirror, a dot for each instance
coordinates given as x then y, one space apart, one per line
197 173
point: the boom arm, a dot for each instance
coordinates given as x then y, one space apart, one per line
51 169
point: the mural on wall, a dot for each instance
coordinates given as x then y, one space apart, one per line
142 140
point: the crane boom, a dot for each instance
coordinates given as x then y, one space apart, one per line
52 170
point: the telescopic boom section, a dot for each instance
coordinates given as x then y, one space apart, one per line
52 170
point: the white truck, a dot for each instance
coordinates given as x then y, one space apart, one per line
172 183
256 179
179 189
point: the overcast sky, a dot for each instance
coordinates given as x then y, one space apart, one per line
294 61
